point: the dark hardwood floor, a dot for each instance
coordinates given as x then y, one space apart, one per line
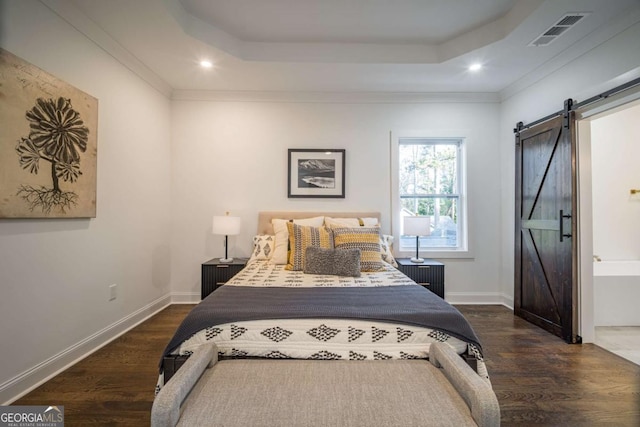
115 385
539 380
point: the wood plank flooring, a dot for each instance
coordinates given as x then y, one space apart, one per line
96 392
539 380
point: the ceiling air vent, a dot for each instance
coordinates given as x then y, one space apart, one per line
559 28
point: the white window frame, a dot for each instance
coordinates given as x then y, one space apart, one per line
463 250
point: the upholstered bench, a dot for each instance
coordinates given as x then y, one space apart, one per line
444 391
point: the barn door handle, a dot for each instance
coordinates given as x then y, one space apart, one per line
562 217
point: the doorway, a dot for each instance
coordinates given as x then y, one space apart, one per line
605 199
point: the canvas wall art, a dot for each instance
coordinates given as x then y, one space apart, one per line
48 144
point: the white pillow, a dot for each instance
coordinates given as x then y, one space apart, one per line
282 236
263 246
385 249
350 222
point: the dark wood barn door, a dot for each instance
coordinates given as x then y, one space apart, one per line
545 251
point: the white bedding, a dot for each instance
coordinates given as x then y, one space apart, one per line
327 339
347 339
265 273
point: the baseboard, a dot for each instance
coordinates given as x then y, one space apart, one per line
23 383
474 298
185 298
507 301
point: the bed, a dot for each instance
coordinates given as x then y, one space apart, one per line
270 311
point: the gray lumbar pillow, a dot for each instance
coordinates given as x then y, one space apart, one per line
337 262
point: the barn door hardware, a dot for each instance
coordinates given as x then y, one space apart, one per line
568 106
562 233
519 127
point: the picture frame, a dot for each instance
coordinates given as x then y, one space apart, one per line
316 173
48 144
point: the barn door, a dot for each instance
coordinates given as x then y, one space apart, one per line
546 250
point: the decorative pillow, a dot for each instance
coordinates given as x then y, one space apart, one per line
336 262
349 222
300 238
367 239
386 241
282 235
262 247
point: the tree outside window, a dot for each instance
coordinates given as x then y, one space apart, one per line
429 185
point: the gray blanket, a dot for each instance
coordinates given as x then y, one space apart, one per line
412 305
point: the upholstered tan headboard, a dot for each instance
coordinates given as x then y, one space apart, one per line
264 218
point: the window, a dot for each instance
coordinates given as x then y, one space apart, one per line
430 182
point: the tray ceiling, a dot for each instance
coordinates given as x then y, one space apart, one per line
407 46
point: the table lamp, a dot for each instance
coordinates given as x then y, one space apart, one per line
416 226
226 226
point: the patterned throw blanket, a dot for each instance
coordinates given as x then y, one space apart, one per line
409 305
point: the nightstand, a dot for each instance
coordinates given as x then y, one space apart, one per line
429 274
216 273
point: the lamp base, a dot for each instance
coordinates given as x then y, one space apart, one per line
417 260
226 260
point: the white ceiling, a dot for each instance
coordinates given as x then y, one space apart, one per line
339 21
411 46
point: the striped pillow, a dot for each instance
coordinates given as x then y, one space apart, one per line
280 254
300 238
367 239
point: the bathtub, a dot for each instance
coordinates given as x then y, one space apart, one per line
616 292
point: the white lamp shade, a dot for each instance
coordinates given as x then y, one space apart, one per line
416 226
226 225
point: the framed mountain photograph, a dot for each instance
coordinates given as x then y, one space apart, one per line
316 173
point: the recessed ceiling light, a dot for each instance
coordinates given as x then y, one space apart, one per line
475 67
206 64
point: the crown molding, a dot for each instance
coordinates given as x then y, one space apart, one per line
336 97
70 13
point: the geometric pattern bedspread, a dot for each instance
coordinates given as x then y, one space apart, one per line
265 274
326 339
329 339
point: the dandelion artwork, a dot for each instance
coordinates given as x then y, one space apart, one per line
47 144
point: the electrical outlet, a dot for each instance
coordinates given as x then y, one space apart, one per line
112 292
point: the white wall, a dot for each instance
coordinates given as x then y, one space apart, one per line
232 156
615 153
588 75
54 274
